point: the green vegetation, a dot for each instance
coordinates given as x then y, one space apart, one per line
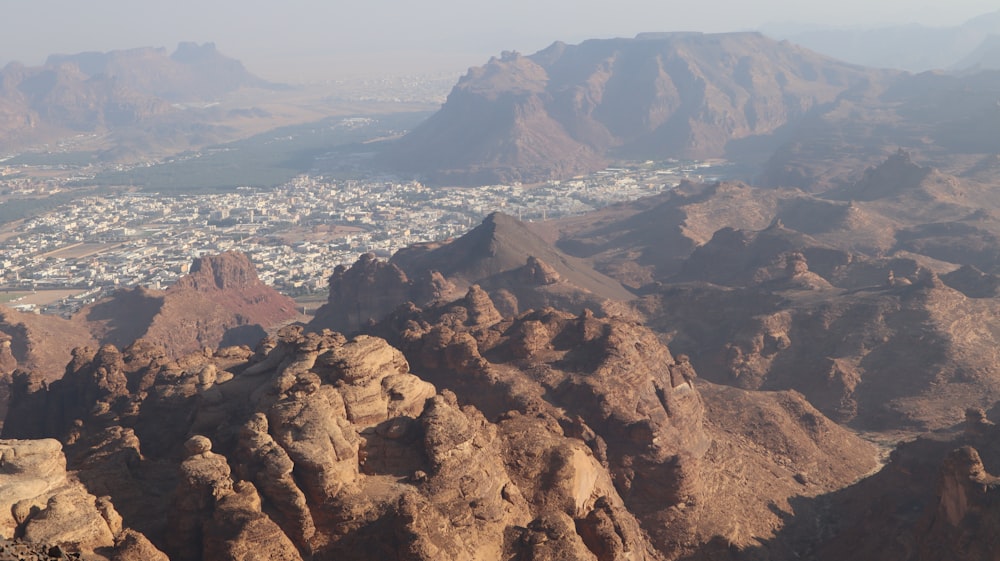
53 159
16 209
264 160
7 296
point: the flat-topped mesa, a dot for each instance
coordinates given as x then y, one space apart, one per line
231 270
564 110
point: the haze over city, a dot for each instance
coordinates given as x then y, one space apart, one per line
305 40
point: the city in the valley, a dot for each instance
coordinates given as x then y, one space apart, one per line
295 233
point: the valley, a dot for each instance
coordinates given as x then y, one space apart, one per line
682 296
101 243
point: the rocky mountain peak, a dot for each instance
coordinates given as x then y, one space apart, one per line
231 270
896 175
190 51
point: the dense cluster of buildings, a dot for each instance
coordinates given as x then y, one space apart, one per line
295 234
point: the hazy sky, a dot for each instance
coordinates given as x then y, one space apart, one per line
308 38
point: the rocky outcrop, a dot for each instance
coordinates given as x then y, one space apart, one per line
266 464
42 503
963 524
221 302
503 256
227 271
634 464
35 343
965 486
543 436
213 518
370 289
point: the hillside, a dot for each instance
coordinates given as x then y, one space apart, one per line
827 294
220 303
503 256
544 450
97 92
915 48
568 108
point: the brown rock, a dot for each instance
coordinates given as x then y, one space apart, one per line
239 530
269 467
133 546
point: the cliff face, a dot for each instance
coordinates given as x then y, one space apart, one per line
42 503
563 110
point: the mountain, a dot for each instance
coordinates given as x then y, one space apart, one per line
568 108
503 256
944 120
221 302
915 48
824 293
502 396
94 92
548 436
193 72
986 57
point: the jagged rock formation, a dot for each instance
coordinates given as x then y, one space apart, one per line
35 343
518 268
933 500
220 302
41 503
563 110
371 289
558 436
837 299
611 384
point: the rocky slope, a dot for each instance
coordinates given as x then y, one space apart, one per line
220 302
944 120
42 503
518 268
934 500
564 110
546 436
98 92
839 295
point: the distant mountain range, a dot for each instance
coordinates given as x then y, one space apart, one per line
569 108
915 48
94 92
802 119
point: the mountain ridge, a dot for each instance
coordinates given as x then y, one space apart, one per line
96 91
567 108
